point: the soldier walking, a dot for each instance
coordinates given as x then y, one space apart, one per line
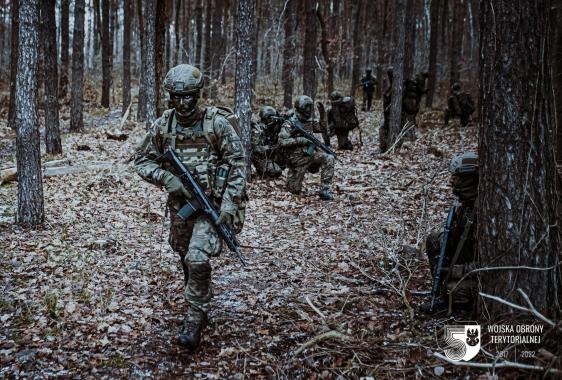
368 86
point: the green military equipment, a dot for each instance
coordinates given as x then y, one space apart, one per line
304 108
183 79
443 249
298 128
267 113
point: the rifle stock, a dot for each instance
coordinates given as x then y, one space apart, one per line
442 250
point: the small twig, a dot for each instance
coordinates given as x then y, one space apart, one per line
502 364
319 338
314 308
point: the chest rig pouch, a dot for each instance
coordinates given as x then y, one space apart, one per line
194 148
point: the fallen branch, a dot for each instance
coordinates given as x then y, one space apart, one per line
502 364
319 338
314 308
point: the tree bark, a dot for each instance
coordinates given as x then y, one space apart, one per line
456 41
517 199
557 77
309 47
28 154
288 54
76 117
106 53
52 128
357 51
13 64
64 47
177 26
159 48
395 125
148 70
127 17
382 53
217 46
433 46
186 53
243 81
199 25
410 40
326 49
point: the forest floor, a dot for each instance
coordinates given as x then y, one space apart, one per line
97 292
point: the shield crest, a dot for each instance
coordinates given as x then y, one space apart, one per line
462 342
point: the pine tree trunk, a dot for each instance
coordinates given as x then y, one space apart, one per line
28 154
243 81
557 77
127 17
52 128
309 53
382 53
217 46
199 25
357 51
517 221
288 54
105 53
160 46
148 70
206 67
177 27
64 47
13 64
433 46
410 40
325 49
186 55
141 108
395 125
76 107
456 41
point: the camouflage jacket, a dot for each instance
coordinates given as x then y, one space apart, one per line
294 145
210 144
368 83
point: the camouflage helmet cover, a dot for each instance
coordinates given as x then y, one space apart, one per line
183 79
464 176
465 163
266 112
304 107
335 96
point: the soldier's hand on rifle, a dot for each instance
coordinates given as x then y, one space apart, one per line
174 185
226 218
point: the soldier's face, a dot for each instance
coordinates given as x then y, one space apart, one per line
183 103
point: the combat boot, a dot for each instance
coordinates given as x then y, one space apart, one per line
326 195
190 333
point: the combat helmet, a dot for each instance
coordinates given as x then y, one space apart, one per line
456 87
335 96
464 176
304 108
183 83
266 114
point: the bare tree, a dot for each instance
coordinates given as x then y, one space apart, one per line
159 47
148 71
177 25
357 51
433 46
64 47
199 26
557 76
52 128
28 154
324 44
13 64
106 53
243 82
517 201
288 53
77 91
309 50
456 41
127 18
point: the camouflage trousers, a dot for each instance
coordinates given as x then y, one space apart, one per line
383 136
195 240
266 167
451 114
461 295
300 165
343 140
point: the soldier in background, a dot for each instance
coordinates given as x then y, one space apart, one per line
460 104
460 247
342 119
301 154
265 134
368 86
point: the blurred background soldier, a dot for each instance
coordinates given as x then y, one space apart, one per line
386 102
460 105
265 134
460 245
301 154
342 118
368 86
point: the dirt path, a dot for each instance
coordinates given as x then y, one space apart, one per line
98 292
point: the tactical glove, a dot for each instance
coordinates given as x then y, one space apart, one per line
301 141
174 186
226 218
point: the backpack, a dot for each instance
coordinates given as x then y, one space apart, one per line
208 121
466 103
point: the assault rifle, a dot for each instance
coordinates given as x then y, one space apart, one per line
200 202
310 137
443 248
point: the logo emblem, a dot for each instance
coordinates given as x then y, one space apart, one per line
462 342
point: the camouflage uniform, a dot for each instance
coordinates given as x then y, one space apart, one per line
209 146
342 118
368 85
462 236
263 154
460 104
302 156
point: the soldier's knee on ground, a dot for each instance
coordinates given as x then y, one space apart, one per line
199 282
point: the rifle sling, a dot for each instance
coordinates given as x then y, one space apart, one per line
459 246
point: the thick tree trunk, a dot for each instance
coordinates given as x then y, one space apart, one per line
199 25
216 46
517 199
159 48
64 47
13 64
326 49
177 27
357 51
186 55
28 154
148 70
557 78
382 50
433 46
243 82
97 27
456 41
395 125
52 128
288 54
410 40
141 108
127 17
105 53
76 117
309 47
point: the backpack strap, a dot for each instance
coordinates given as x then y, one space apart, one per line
208 130
170 134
